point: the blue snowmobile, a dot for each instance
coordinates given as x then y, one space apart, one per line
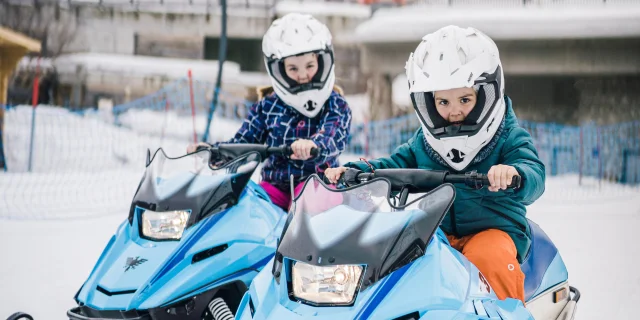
198 231
374 250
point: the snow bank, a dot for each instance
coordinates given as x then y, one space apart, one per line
141 66
69 142
175 125
84 166
69 195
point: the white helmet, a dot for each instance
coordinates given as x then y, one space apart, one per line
451 58
296 34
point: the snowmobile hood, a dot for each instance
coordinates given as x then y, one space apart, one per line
125 267
134 264
137 273
440 284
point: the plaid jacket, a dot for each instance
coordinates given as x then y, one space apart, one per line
273 122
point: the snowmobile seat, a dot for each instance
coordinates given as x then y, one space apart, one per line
543 267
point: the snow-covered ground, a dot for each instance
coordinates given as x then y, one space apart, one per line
45 262
55 222
67 142
84 166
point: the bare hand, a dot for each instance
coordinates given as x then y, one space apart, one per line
500 177
192 147
302 149
333 174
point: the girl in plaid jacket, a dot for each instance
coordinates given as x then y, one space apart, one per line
302 108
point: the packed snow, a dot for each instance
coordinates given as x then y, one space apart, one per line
68 142
87 158
46 262
140 66
56 220
98 164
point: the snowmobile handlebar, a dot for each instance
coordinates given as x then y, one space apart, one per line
420 180
237 149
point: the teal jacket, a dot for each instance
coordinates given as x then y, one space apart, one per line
477 210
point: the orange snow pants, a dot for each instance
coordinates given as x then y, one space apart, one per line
493 252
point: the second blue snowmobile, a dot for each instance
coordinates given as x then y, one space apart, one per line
374 250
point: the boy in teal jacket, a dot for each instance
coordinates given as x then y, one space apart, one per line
457 89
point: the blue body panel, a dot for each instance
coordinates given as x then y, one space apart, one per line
543 267
442 284
249 230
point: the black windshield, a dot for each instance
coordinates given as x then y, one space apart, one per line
190 183
358 225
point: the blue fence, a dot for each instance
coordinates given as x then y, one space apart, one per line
606 152
176 96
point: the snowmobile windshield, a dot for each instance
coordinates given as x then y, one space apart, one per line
190 183
359 226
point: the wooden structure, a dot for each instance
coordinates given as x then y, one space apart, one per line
13 46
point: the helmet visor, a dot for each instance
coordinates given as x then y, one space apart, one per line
276 69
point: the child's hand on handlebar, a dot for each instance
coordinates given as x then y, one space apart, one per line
333 174
500 176
302 149
194 146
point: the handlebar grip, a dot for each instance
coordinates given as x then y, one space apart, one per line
200 148
287 151
364 176
351 177
516 181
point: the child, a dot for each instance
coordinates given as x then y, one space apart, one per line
302 108
457 89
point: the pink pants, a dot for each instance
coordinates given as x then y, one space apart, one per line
281 198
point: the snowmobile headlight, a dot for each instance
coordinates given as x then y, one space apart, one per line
167 225
326 285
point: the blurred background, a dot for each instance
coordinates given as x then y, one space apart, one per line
86 86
